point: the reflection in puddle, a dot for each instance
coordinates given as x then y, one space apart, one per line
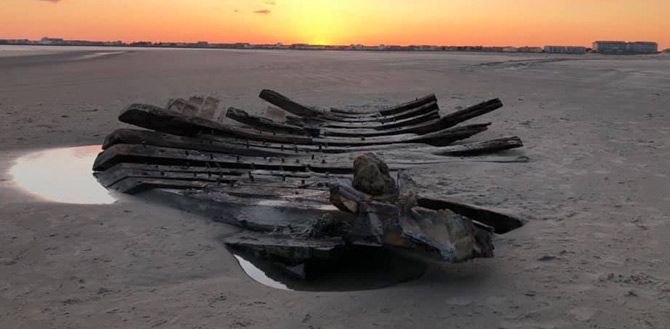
258 275
356 269
62 175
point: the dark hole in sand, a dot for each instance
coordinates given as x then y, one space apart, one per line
357 268
61 175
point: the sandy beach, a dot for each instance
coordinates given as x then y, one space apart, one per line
596 192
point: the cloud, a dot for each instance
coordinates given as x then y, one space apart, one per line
263 12
271 3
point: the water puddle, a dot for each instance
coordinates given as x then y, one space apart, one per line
61 175
357 269
99 54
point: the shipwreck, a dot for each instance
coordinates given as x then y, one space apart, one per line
306 183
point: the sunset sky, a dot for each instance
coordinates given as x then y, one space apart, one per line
403 22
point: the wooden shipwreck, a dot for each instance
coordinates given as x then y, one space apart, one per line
308 183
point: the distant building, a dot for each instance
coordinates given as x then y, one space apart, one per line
52 41
666 50
622 47
510 49
565 50
643 47
610 46
529 50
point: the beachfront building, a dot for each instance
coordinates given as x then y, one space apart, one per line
610 46
643 47
52 41
622 47
529 49
565 50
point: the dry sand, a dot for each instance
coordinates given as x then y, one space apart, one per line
596 192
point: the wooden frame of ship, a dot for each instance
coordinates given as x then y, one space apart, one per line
305 182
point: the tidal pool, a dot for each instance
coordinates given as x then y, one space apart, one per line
62 175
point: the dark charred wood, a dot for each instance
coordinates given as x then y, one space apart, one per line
266 124
218 175
231 146
239 147
392 110
412 113
153 117
429 116
288 105
293 107
124 153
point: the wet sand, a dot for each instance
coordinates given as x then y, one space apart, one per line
596 193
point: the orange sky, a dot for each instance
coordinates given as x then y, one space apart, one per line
444 22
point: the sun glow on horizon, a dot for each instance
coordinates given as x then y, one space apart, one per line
370 22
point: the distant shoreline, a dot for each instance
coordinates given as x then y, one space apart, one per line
130 47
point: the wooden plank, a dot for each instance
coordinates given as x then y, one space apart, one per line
213 174
288 105
393 109
429 116
230 146
266 124
156 118
134 185
252 148
271 126
121 153
293 107
418 111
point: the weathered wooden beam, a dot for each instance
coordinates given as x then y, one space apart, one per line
156 118
418 111
429 116
121 153
266 124
293 107
393 109
271 126
288 105
214 174
230 146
